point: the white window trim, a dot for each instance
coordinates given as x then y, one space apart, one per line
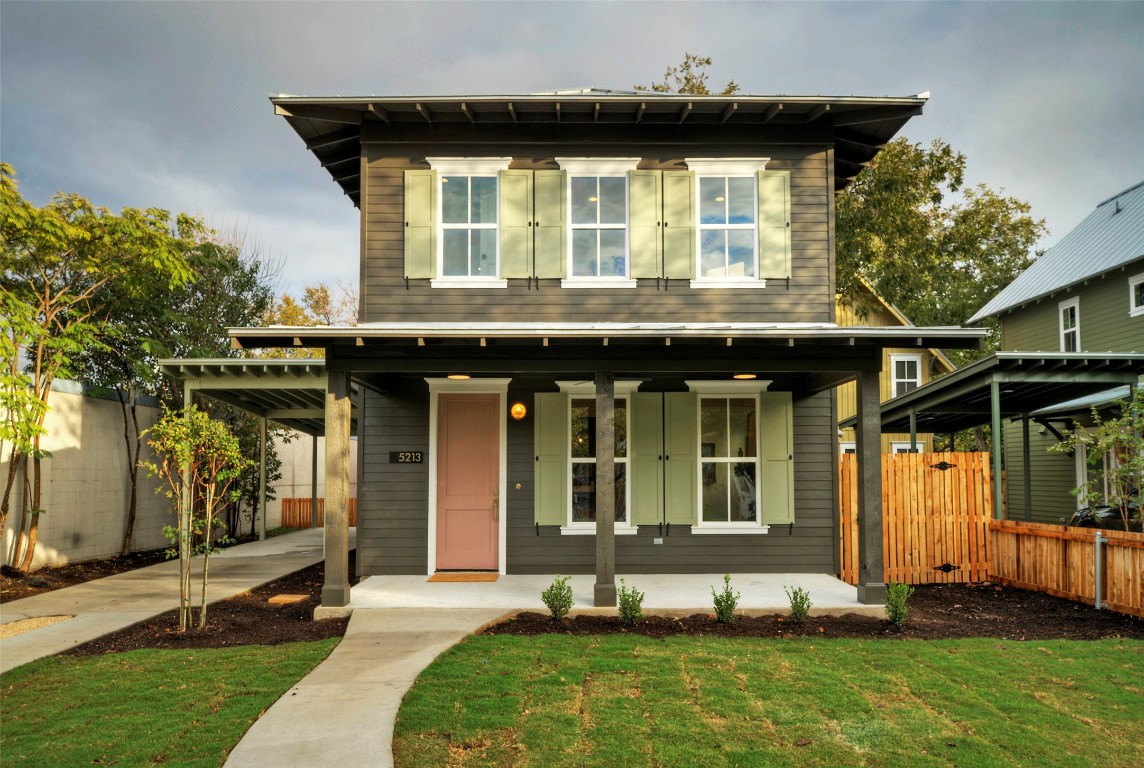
1061 307
598 282
498 387
726 166
728 282
1134 310
894 359
466 166
713 389
705 170
598 167
582 389
844 444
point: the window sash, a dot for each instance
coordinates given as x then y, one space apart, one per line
581 469
905 379
1136 295
728 483
465 244
1069 318
727 248
598 244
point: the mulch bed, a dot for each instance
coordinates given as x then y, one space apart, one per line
14 585
936 612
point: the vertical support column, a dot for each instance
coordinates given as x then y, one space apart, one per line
871 557
995 407
261 506
1027 465
913 431
336 589
314 481
605 591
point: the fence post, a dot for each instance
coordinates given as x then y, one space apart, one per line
1098 541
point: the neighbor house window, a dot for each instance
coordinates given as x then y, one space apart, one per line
846 447
1069 313
907 373
904 447
582 461
1136 295
728 459
728 238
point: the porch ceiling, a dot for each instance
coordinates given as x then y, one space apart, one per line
1027 382
288 392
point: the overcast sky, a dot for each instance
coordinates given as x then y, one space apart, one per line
165 104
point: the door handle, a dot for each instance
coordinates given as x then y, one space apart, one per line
496 506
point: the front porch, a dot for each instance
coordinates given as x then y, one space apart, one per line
665 594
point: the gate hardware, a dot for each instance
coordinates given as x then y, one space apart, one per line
943 465
947 567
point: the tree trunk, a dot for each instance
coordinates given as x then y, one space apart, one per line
25 495
128 407
979 438
34 523
13 459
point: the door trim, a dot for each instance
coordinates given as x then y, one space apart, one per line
497 387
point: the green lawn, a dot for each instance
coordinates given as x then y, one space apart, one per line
628 701
144 708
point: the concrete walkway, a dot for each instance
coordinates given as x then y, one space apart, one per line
107 605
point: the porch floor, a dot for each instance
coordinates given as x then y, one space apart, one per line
665 594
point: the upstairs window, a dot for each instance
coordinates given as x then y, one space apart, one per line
728 238
1136 295
599 226
907 372
468 226
1069 314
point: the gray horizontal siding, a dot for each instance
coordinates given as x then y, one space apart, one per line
808 298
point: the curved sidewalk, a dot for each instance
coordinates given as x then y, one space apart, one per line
110 604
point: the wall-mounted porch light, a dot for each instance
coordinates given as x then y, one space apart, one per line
518 411
744 376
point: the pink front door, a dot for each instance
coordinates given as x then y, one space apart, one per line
468 480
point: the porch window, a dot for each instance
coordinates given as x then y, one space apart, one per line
728 237
907 371
728 459
582 461
1136 295
1069 314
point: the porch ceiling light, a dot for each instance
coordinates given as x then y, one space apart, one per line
459 376
744 376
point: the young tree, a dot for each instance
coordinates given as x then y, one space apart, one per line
937 258
61 263
689 77
199 459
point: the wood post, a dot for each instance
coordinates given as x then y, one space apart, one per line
995 408
314 481
605 590
871 558
336 589
260 507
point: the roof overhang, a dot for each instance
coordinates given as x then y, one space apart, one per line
1027 382
334 128
289 392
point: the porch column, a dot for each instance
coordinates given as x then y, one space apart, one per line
605 592
260 508
313 481
871 563
336 589
995 460
1027 465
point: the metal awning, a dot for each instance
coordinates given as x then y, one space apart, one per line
1026 382
288 392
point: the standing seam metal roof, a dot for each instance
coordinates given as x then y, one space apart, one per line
1109 237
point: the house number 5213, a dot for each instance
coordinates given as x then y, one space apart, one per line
405 457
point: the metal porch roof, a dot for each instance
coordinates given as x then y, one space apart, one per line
288 392
1027 382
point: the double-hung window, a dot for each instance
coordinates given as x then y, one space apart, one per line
467 219
729 459
598 233
1069 313
582 460
728 238
907 372
1136 295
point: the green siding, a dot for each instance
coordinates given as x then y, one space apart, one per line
1053 477
420 224
777 483
647 458
551 441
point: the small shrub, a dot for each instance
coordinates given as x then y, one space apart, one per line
799 603
896 597
558 597
631 604
726 601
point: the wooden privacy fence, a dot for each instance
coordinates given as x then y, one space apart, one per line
933 518
296 513
1065 562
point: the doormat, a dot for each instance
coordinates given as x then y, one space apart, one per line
466 577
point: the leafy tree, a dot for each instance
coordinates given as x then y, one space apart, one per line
319 306
689 77
200 460
62 263
932 246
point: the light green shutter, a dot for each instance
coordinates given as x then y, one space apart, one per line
549 213
774 224
644 208
420 223
777 458
515 223
680 469
647 458
550 498
678 224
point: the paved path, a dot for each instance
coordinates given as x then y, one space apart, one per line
107 605
342 713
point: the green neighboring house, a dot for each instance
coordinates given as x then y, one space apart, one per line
1086 294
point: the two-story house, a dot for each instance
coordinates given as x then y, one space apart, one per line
598 332
1083 295
903 369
